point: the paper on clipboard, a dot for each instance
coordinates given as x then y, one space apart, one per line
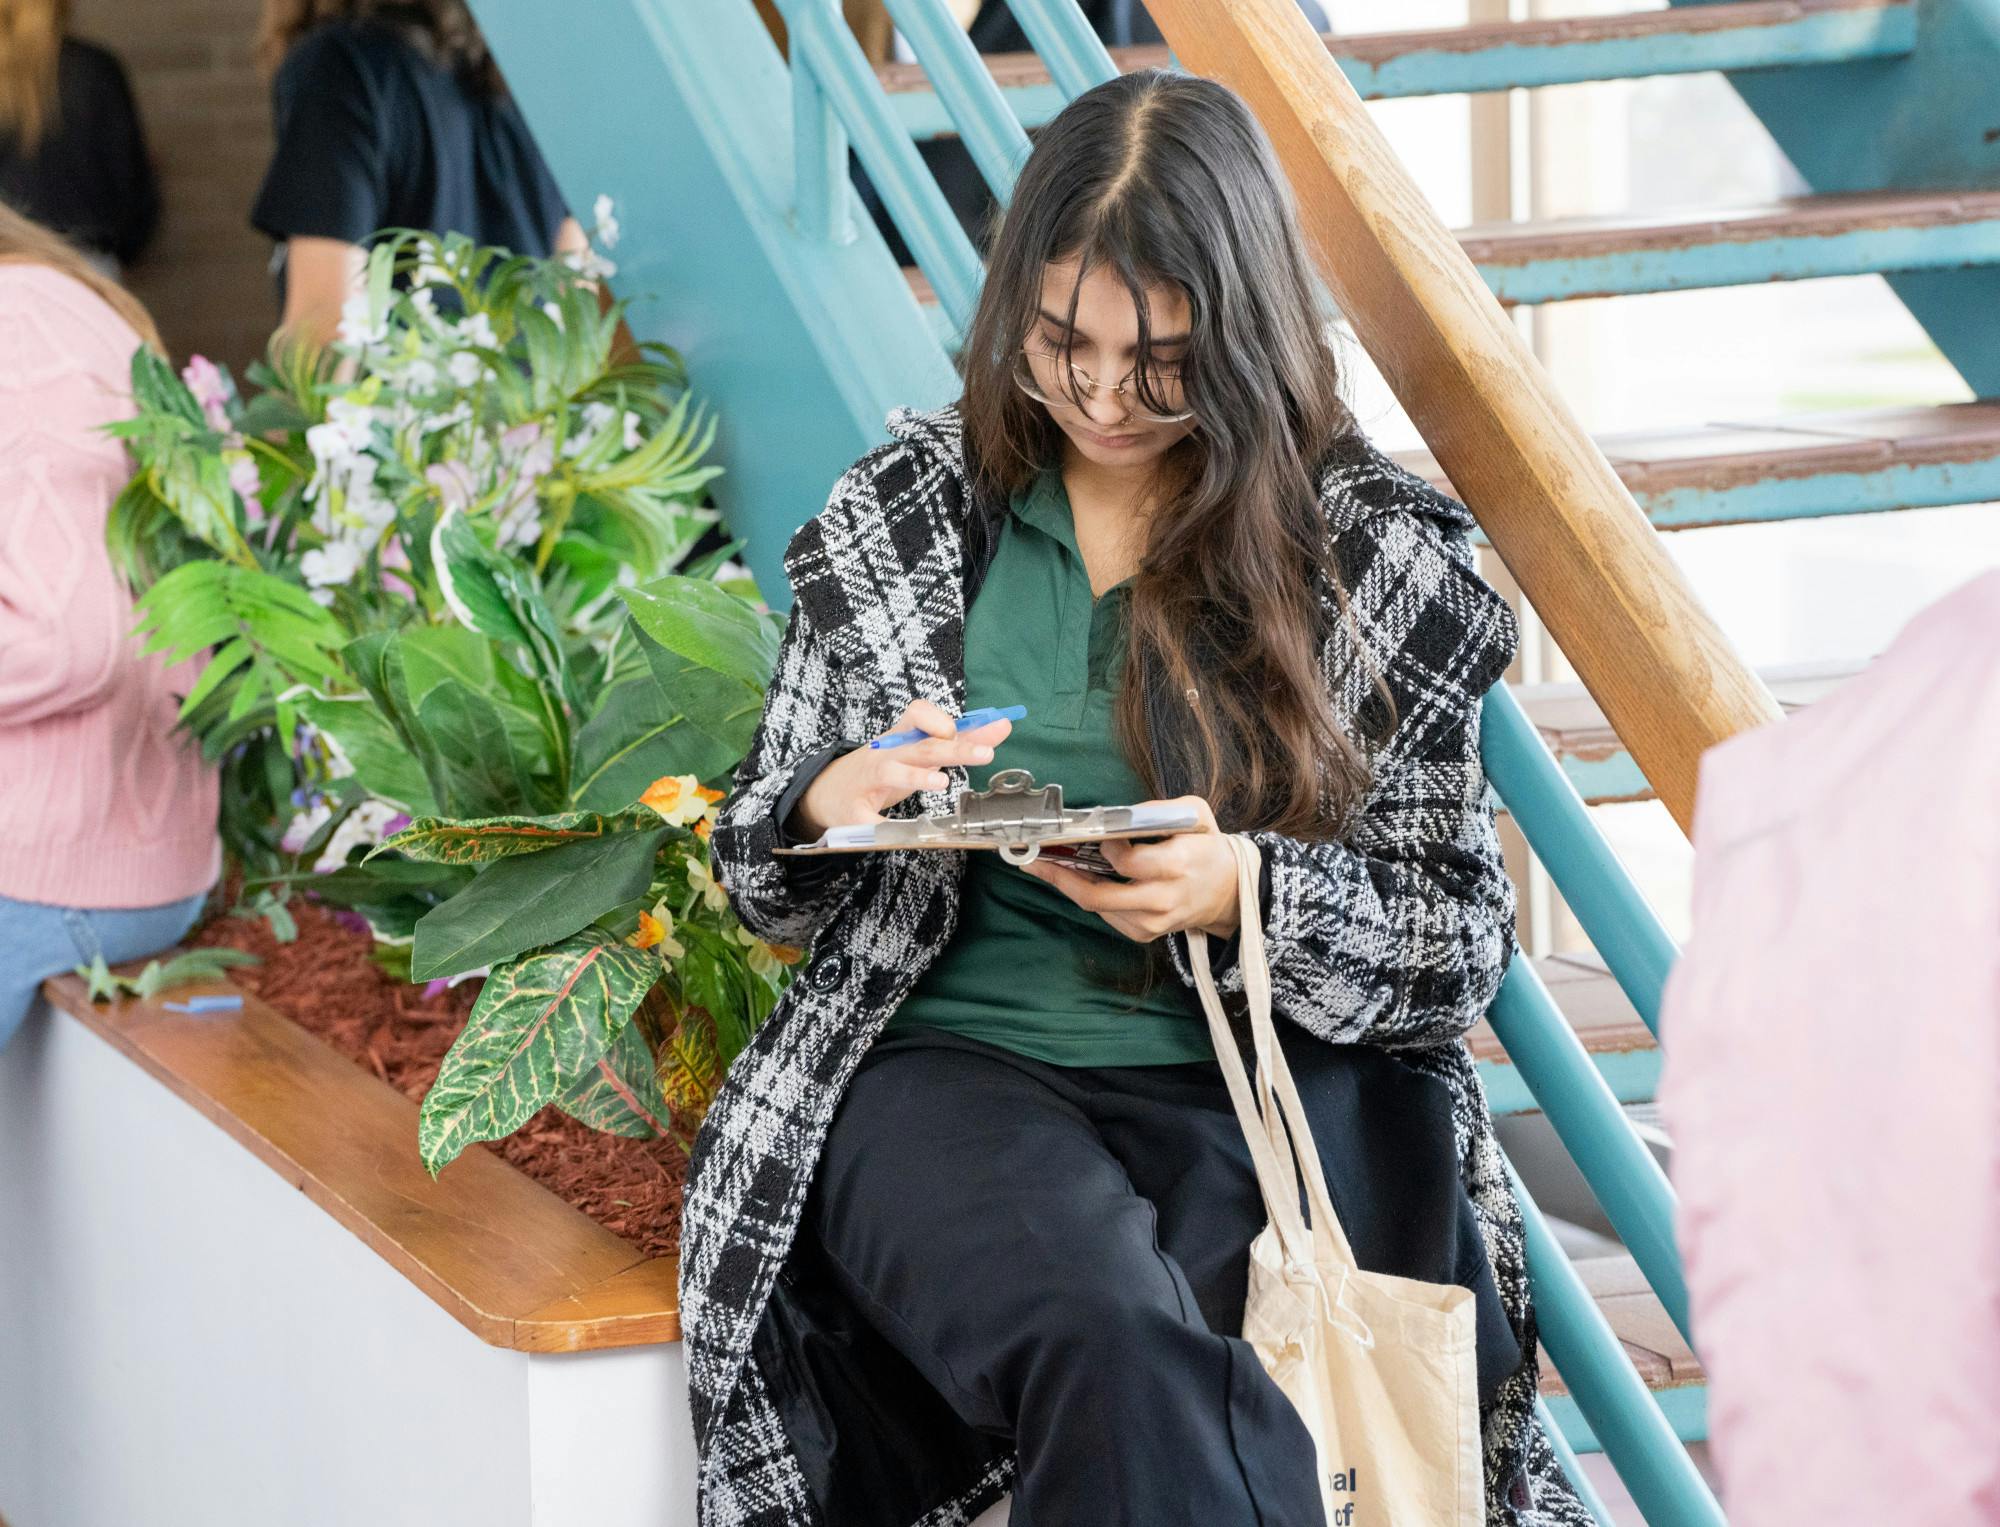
1018 818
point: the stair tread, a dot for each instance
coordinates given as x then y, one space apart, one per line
1014 71
1821 216
1590 997
1641 1323
1572 722
1380 47
1727 454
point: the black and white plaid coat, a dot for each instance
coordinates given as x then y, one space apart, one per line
1397 937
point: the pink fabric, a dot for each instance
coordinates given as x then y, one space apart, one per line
1832 1087
102 803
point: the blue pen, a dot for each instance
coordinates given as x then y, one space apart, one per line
966 723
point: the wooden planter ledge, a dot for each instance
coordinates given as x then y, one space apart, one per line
511 1262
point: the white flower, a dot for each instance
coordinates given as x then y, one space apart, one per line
424 300
700 880
478 331
633 439
596 416
420 375
554 313
604 215
303 825
330 565
349 429
589 264
459 413
428 274
364 826
359 325
365 503
466 368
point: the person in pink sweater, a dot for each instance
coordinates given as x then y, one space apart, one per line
107 813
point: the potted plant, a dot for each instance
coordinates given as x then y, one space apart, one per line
465 679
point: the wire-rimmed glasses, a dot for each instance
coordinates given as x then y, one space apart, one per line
1038 373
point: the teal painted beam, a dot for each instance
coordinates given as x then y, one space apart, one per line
1818 37
985 124
1624 1176
1927 120
802 345
1685 1407
1745 262
1622 926
1626 1420
820 41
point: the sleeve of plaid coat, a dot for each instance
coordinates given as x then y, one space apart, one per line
1399 935
805 724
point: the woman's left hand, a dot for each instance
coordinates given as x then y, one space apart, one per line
1184 881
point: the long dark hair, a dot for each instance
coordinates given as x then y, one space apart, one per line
443 29
1169 180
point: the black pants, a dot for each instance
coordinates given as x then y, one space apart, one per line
1062 1252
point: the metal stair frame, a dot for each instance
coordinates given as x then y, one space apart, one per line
689 127
1921 122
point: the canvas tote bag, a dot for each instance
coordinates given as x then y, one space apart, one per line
1382 1369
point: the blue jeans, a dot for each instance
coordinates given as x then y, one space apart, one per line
38 941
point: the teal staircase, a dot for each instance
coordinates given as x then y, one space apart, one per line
748 250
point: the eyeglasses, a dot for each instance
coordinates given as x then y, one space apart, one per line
1039 373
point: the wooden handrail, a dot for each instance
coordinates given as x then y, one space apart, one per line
493 1248
1665 674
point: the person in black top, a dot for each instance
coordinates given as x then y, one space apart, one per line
72 154
391 115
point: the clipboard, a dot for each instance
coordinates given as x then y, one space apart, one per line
1019 819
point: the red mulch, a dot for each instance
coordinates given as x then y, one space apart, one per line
325 982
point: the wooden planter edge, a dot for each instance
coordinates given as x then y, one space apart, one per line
509 1260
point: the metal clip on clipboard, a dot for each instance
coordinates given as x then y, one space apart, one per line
1014 815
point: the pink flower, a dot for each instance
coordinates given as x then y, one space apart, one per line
454 483
211 390
248 485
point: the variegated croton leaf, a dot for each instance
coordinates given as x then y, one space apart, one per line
621 1094
539 1026
442 840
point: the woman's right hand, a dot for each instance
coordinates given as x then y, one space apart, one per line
859 786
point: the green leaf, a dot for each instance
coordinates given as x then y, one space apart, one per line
621 1093
535 899
633 740
538 1028
476 762
387 769
204 966
709 973
442 840
474 580
707 627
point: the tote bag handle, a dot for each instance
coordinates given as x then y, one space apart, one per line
1274 1122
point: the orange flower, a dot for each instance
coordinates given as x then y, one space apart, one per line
702 828
785 954
711 796
650 932
676 797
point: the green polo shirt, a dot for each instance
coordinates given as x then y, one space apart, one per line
1026 968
